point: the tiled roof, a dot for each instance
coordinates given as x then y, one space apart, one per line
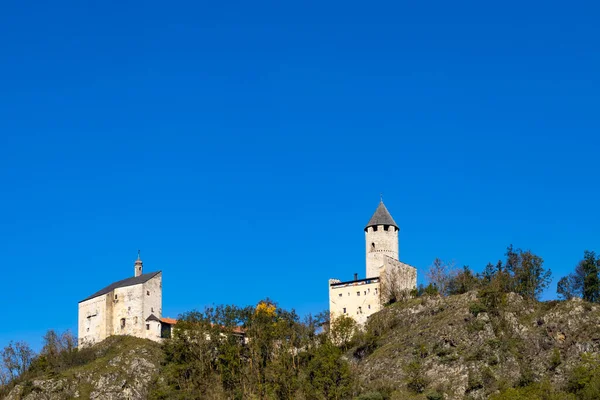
136 280
381 217
170 321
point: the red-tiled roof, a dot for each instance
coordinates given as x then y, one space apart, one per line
170 321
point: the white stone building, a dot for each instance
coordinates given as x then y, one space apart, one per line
360 298
132 306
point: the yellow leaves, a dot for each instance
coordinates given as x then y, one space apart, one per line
265 308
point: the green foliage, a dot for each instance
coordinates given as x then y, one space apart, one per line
277 357
415 378
528 277
477 307
555 359
591 281
371 396
462 282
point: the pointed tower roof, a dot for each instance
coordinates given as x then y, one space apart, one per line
381 217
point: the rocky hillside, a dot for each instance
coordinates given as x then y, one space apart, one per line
122 367
455 347
429 347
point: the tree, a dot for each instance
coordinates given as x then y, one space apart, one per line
462 282
572 285
527 275
591 281
439 275
16 359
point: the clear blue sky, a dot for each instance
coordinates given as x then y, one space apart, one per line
243 146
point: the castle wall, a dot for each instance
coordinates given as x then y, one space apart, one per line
128 312
404 275
356 299
92 317
380 243
152 305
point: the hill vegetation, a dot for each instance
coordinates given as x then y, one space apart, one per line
465 335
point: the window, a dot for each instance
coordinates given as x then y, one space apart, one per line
135 319
365 292
122 323
375 290
369 306
344 310
358 293
151 309
147 293
116 296
359 310
372 246
147 327
340 295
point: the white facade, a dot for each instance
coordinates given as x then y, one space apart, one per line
360 298
123 308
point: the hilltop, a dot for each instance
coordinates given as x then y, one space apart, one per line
431 347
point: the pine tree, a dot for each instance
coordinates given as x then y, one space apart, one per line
591 280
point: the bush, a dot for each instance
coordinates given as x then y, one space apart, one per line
415 379
371 396
476 308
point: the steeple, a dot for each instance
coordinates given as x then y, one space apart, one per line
381 217
138 266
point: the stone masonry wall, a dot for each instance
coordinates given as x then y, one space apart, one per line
379 243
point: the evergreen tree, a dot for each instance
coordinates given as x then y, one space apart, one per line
591 281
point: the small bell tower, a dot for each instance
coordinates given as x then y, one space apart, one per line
138 266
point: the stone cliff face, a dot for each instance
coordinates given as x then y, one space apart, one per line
460 347
124 369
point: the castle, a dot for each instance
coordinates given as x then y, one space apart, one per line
132 306
360 298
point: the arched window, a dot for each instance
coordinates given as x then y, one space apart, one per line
373 246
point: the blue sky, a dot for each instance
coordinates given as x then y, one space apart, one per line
243 146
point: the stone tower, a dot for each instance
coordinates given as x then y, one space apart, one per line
138 266
381 238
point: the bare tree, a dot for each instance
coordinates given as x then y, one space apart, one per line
440 274
16 359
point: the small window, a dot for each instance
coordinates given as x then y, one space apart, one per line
358 293
375 290
128 308
365 292
344 310
116 296
369 306
372 246
359 310
122 323
147 293
135 320
340 295
375 228
147 327
151 309
88 329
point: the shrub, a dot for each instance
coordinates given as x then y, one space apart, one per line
476 308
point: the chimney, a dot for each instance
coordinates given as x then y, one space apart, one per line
355 276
